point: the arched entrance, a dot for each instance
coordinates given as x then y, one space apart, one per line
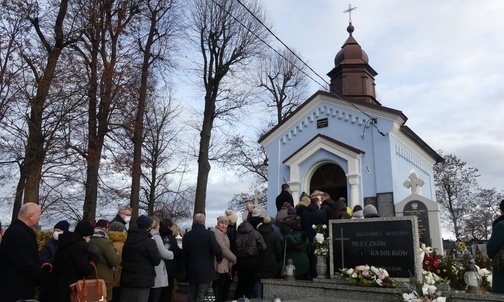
330 178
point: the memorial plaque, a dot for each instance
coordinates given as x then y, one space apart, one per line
419 209
322 123
390 243
385 204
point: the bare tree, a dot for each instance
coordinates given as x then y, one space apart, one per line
105 54
456 190
53 36
478 223
228 37
283 77
238 202
153 46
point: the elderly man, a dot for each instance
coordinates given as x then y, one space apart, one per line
20 268
201 250
122 218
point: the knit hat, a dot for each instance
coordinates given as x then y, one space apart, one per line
84 228
231 216
291 211
116 226
358 214
62 225
256 213
369 210
267 220
102 223
144 222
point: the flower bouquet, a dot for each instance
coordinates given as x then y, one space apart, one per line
428 293
365 275
320 242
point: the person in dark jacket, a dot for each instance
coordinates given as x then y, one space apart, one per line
270 259
248 244
140 254
172 266
122 218
201 251
284 196
328 205
72 261
313 216
47 253
19 266
494 245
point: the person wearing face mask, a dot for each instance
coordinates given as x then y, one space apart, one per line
47 253
72 261
122 218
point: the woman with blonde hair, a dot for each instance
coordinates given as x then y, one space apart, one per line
161 279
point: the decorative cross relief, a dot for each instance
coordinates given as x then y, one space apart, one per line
414 183
256 197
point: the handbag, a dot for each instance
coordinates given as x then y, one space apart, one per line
91 290
498 260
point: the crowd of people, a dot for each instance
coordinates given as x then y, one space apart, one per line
143 267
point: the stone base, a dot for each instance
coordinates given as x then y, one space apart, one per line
335 288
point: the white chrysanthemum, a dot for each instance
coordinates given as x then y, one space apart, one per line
374 269
319 238
314 227
324 226
489 279
409 297
378 281
354 275
484 272
350 271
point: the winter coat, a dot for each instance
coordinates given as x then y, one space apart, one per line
248 244
329 207
48 251
312 216
108 258
297 247
173 266
20 270
140 255
71 263
161 273
229 259
270 259
231 232
493 246
281 214
200 250
284 196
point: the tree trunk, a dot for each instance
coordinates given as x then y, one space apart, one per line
203 158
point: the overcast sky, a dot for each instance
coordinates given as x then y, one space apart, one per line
439 62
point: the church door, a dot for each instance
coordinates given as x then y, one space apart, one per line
330 178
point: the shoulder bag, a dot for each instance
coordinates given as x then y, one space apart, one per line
92 290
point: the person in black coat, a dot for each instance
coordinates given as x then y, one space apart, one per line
72 261
172 266
140 255
284 196
200 249
270 259
48 252
19 266
313 216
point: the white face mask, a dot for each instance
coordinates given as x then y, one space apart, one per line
87 239
127 219
56 235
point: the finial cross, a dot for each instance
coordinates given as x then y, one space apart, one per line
349 11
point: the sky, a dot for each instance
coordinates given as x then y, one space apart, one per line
439 62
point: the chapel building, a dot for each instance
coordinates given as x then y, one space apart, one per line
344 142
